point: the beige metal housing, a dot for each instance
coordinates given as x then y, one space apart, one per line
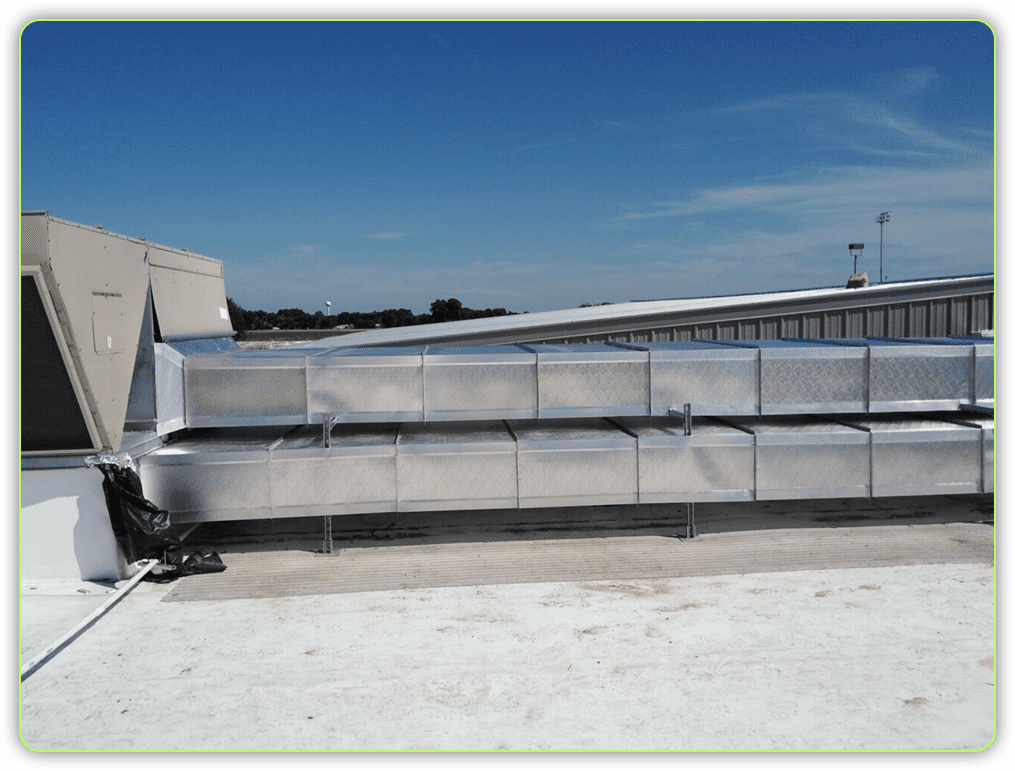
99 293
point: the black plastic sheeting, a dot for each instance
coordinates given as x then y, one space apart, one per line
142 529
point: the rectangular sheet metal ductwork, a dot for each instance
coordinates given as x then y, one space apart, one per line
714 463
909 375
366 386
591 380
249 473
356 475
424 384
799 377
575 462
924 456
716 379
807 457
496 382
468 465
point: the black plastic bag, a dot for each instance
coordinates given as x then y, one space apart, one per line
176 565
141 528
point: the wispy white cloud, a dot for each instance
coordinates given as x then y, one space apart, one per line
388 235
838 189
907 81
831 111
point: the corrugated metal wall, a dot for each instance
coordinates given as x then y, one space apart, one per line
936 317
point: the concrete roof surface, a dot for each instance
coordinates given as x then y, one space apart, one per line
878 658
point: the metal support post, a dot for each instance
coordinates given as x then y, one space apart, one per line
673 411
691 530
327 425
327 535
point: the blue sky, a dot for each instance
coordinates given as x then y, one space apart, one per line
526 165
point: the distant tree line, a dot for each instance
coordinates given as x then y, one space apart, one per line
294 318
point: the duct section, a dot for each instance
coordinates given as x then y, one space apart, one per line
590 380
422 384
924 456
213 475
249 473
798 377
715 462
368 385
355 475
463 383
468 465
716 379
575 462
798 457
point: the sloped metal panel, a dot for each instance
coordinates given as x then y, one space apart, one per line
714 379
189 293
170 411
801 457
588 380
98 282
714 463
369 385
474 383
355 475
574 462
462 465
142 406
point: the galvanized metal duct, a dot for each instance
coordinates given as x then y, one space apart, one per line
429 384
249 473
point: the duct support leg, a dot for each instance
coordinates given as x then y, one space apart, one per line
687 417
327 548
328 424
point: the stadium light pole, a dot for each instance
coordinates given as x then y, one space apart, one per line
883 217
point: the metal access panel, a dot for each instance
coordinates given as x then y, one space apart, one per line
714 379
219 474
918 456
714 463
242 388
923 377
189 293
467 465
804 376
476 383
593 379
575 462
366 385
799 457
355 475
